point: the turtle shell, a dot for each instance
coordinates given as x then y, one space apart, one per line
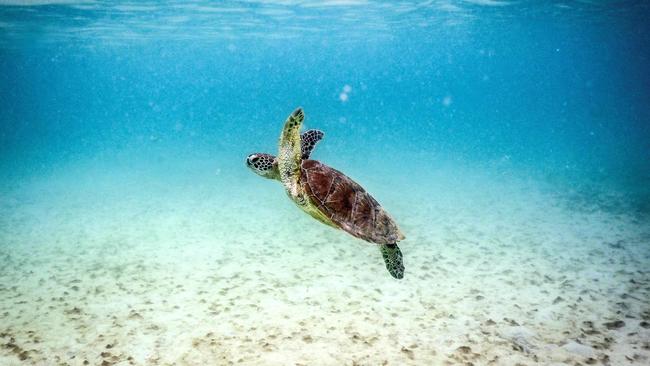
347 204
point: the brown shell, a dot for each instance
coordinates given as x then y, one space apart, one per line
347 204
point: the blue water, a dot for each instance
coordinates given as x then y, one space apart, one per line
559 87
153 101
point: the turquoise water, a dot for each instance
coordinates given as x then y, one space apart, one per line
509 140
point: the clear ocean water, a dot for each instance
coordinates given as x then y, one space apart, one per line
510 140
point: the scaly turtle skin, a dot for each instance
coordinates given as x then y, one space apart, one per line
327 194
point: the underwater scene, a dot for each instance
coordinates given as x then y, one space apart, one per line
336 182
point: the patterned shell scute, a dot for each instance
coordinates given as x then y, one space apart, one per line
347 204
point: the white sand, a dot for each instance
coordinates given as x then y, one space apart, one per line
114 265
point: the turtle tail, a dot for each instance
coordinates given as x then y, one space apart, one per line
393 258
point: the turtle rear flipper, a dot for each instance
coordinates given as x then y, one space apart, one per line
393 258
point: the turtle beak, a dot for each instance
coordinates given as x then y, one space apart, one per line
249 158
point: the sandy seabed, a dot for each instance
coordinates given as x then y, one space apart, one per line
133 267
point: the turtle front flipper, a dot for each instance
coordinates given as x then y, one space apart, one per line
289 157
393 258
309 139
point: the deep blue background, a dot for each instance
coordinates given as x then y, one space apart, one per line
558 88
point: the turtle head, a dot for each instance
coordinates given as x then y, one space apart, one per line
265 165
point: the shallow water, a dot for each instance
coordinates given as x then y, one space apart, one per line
509 141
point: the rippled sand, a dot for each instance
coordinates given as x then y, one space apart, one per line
116 265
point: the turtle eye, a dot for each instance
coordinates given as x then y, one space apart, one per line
255 159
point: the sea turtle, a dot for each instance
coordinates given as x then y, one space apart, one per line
327 194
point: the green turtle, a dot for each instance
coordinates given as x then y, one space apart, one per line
326 194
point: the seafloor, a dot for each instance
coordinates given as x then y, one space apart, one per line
187 263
